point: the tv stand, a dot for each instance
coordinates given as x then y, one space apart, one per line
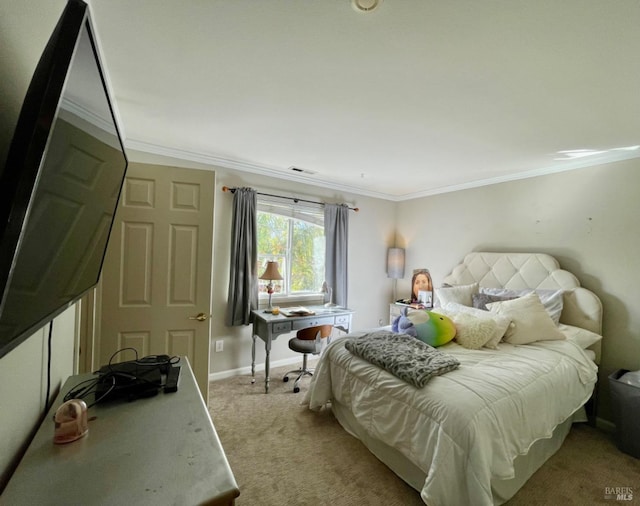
157 450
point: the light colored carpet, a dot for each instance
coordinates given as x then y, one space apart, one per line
284 454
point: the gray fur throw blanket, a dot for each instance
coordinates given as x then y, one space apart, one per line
404 356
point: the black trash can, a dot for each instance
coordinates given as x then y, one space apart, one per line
625 401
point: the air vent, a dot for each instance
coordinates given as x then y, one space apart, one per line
300 170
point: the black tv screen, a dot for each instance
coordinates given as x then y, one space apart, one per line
60 185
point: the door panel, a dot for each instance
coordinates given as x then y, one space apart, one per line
136 249
157 272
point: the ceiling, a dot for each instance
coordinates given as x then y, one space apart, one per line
413 98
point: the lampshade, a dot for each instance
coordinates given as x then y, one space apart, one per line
395 263
271 272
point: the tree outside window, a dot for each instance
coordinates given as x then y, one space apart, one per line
294 239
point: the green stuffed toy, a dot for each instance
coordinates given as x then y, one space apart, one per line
432 328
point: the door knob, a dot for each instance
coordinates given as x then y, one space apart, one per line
200 317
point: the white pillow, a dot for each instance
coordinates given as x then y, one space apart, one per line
582 337
530 319
502 322
473 332
461 294
552 300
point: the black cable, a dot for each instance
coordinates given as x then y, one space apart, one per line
88 387
109 372
98 399
82 389
120 351
46 401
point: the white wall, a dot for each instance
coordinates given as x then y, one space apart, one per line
23 385
587 219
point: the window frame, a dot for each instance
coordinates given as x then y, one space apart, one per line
307 212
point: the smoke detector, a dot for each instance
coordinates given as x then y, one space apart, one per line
365 5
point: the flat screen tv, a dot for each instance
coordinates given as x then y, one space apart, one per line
60 185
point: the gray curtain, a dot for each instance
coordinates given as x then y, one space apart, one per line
336 231
243 292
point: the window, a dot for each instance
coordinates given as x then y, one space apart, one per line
292 234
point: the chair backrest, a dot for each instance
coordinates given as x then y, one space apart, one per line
311 333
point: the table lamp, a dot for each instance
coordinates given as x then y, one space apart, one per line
395 266
270 273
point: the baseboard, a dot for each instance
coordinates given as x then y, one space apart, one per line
215 376
605 425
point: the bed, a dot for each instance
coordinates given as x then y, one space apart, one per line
475 434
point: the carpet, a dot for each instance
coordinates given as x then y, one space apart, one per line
284 454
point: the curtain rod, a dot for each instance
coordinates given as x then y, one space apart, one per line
295 199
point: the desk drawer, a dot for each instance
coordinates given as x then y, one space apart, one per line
343 319
280 327
312 322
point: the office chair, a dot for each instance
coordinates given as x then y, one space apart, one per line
307 341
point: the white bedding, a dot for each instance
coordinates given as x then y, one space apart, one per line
466 427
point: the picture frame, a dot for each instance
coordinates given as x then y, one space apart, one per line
422 288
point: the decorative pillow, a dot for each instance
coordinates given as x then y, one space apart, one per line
452 309
480 300
552 300
403 325
531 322
473 332
461 294
432 328
582 337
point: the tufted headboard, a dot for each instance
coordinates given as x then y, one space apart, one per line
581 307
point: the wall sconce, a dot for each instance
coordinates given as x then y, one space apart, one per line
270 273
395 266
395 263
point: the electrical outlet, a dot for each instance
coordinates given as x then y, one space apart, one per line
220 345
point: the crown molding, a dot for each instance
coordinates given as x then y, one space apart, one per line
583 163
244 166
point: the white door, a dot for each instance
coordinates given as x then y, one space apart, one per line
156 279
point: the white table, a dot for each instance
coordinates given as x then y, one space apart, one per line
159 450
268 327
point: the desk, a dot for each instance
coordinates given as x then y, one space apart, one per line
159 450
268 327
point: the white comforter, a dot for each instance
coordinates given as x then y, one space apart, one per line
463 428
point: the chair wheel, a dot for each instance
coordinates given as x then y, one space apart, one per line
296 390
285 379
